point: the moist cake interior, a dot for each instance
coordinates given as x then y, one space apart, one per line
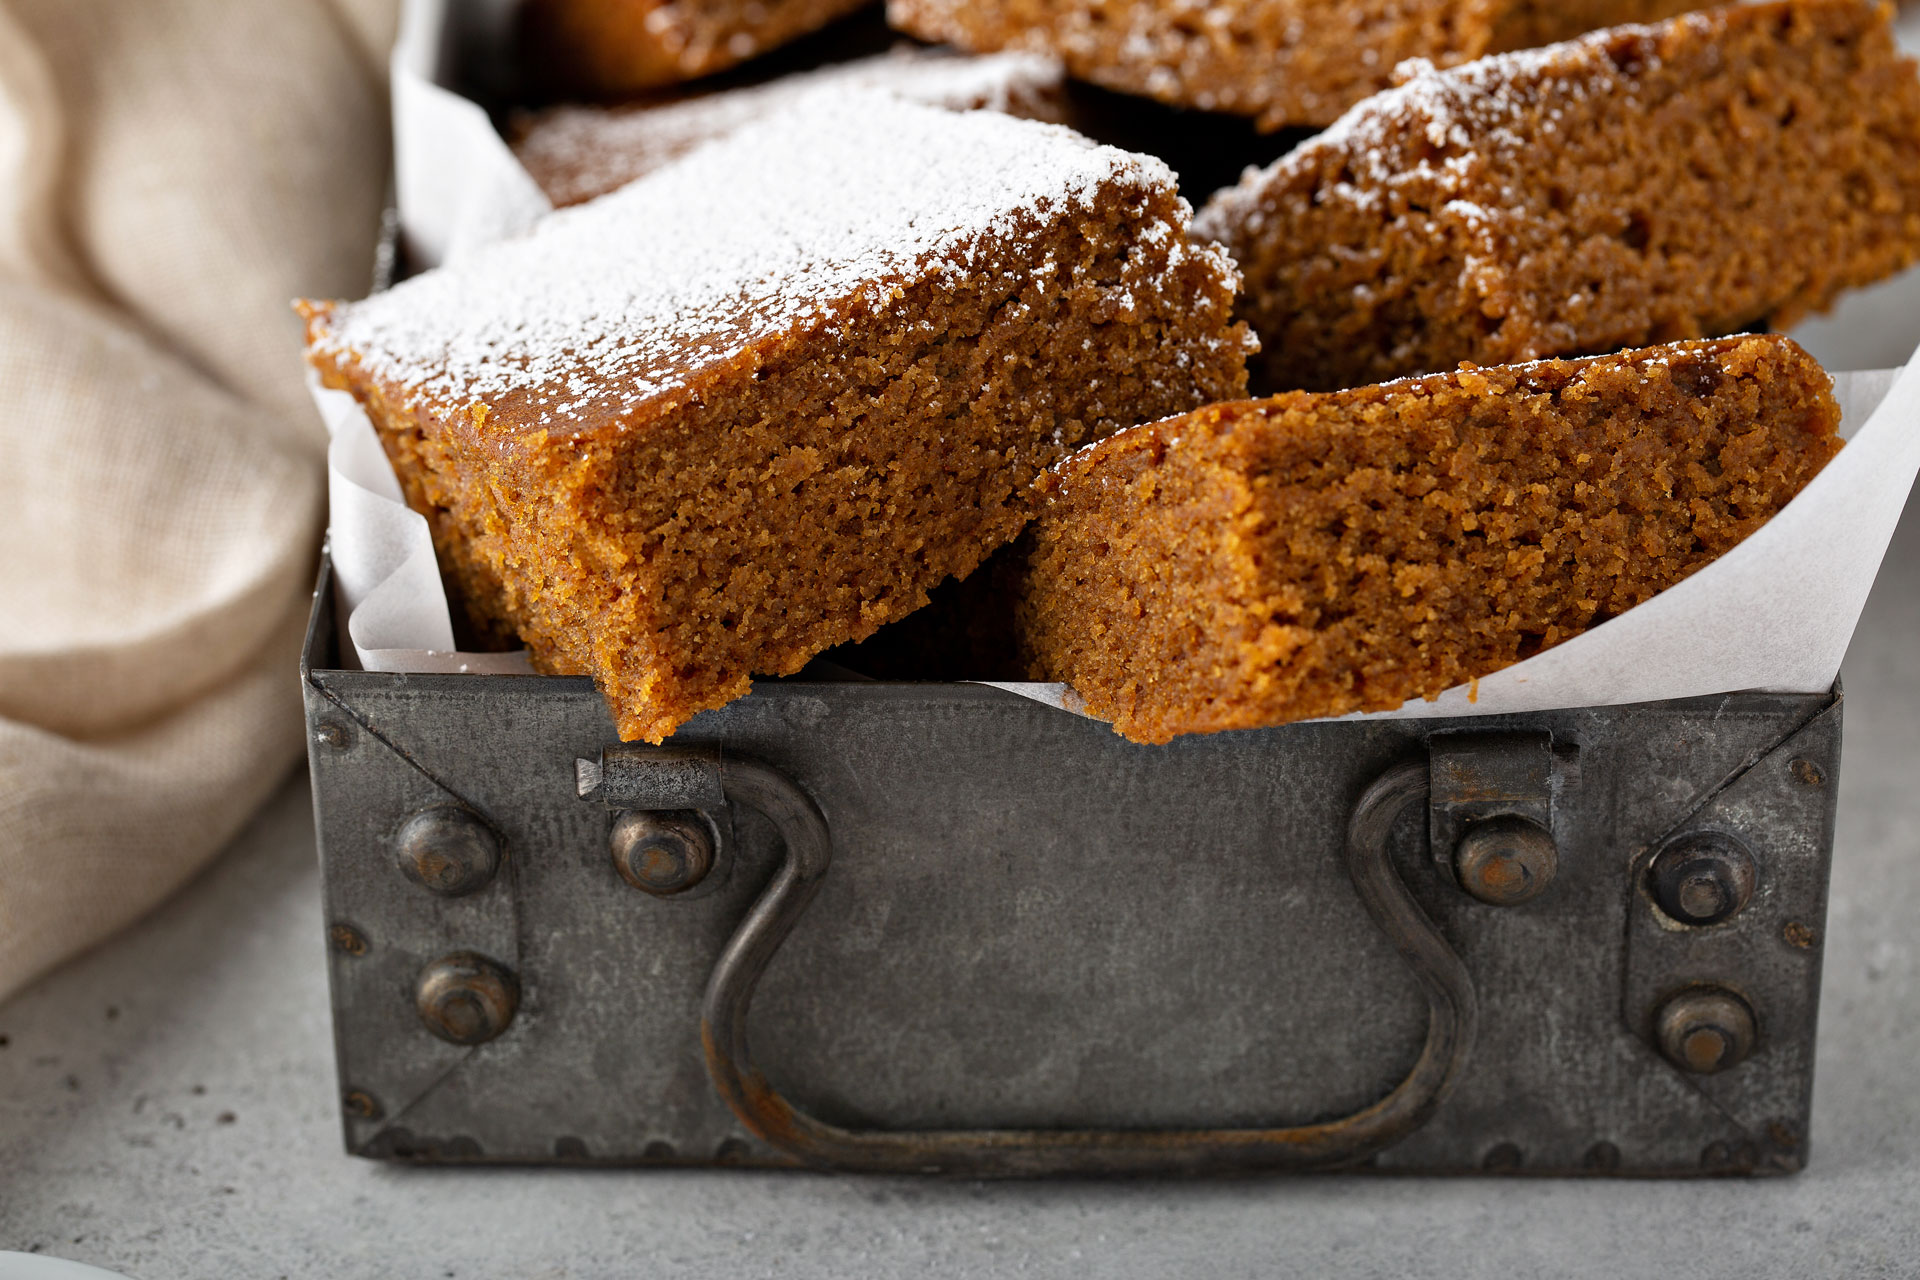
1310 555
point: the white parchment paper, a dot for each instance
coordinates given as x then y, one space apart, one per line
384 571
1775 613
456 180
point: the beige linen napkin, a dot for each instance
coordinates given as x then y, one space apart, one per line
171 174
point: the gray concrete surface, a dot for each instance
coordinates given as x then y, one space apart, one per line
166 1110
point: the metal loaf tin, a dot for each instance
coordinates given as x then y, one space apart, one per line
940 927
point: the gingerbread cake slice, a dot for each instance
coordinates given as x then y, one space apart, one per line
576 152
624 46
1283 62
757 403
1707 175
1312 555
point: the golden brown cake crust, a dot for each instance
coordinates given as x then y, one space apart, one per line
1311 555
622 46
758 403
1284 62
1702 176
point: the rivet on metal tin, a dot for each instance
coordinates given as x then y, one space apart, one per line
1808 772
448 851
361 1105
1506 861
1704 1030
1503 1156
346 939
465 998
331 733
1703 877
661 854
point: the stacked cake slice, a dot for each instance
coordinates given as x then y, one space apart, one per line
1644 184
576 152
1313 555
1283 62
761 401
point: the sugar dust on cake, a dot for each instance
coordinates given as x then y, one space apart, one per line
579 150
1718 172
759 402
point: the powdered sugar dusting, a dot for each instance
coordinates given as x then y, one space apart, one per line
578 152
832 205
1467 119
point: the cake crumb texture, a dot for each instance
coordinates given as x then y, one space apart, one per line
1283 62
624 46
759 402
1251 564
1719 172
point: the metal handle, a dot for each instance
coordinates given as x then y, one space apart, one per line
1017 1152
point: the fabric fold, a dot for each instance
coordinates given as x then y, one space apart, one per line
171 175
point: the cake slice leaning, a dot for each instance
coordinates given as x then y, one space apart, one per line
611 47
1251 564
1723 171
1283 62
759 402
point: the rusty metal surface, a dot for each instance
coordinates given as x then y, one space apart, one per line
466 998
673 779
1767 953
1032 924
1491 814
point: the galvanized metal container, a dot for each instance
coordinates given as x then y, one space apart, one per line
941 927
